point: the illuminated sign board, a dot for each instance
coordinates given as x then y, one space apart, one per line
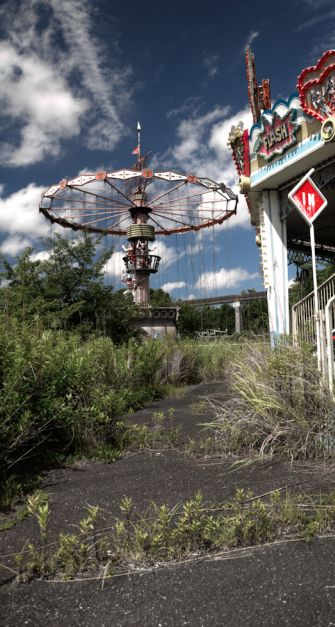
276 136
316 85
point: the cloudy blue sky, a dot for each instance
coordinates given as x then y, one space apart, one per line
76 76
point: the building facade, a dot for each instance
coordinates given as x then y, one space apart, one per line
285 142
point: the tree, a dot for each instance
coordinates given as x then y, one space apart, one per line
189 320
254 314
159 298
67 289
304 285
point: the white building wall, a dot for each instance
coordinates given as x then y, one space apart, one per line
274 263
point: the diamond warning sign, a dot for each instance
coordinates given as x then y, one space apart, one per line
308 199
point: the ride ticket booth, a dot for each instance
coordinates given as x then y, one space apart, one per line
288 139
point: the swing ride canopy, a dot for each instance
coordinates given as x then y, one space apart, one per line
106 202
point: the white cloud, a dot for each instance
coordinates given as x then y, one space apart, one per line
19 215
211 64
220 131
224 279
292 282
318 4
201 147
108 84
33 93
326 43
55 80
192 134
236 60
43 255
169 254
115 267
251 37
170 287
326 16
189 105
14 245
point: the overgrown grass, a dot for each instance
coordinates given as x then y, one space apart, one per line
60 395
104 544
277 405
207 361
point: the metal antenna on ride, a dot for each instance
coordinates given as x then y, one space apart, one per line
139 204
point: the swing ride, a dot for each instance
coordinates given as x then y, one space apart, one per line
138 204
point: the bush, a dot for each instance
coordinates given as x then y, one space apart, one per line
59 394
206 362
278 405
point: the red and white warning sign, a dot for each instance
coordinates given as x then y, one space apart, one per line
307 198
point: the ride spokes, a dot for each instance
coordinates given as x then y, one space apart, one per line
138 203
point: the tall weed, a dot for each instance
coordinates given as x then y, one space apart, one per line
278 404
206 362
59 394
105 544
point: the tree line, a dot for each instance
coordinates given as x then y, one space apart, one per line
66 290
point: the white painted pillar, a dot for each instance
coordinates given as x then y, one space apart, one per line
275 266
237 308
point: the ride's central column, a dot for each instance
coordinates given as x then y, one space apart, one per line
139 263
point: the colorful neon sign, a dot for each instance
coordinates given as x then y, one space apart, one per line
276 136
316 86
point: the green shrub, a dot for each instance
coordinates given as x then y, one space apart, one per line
60 394
277 405
206 362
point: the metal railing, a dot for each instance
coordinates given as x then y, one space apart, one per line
303 318
329 342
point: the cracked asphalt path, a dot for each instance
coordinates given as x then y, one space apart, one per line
284 583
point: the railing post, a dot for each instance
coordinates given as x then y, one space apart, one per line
330 347
323 344
305 324
294 324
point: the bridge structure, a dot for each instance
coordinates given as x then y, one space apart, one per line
231 299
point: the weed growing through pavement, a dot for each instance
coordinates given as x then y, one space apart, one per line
160 434
7 523
203 447
158 417
198 408
106 544
37 559
105 452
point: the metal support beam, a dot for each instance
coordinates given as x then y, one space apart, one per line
299 252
